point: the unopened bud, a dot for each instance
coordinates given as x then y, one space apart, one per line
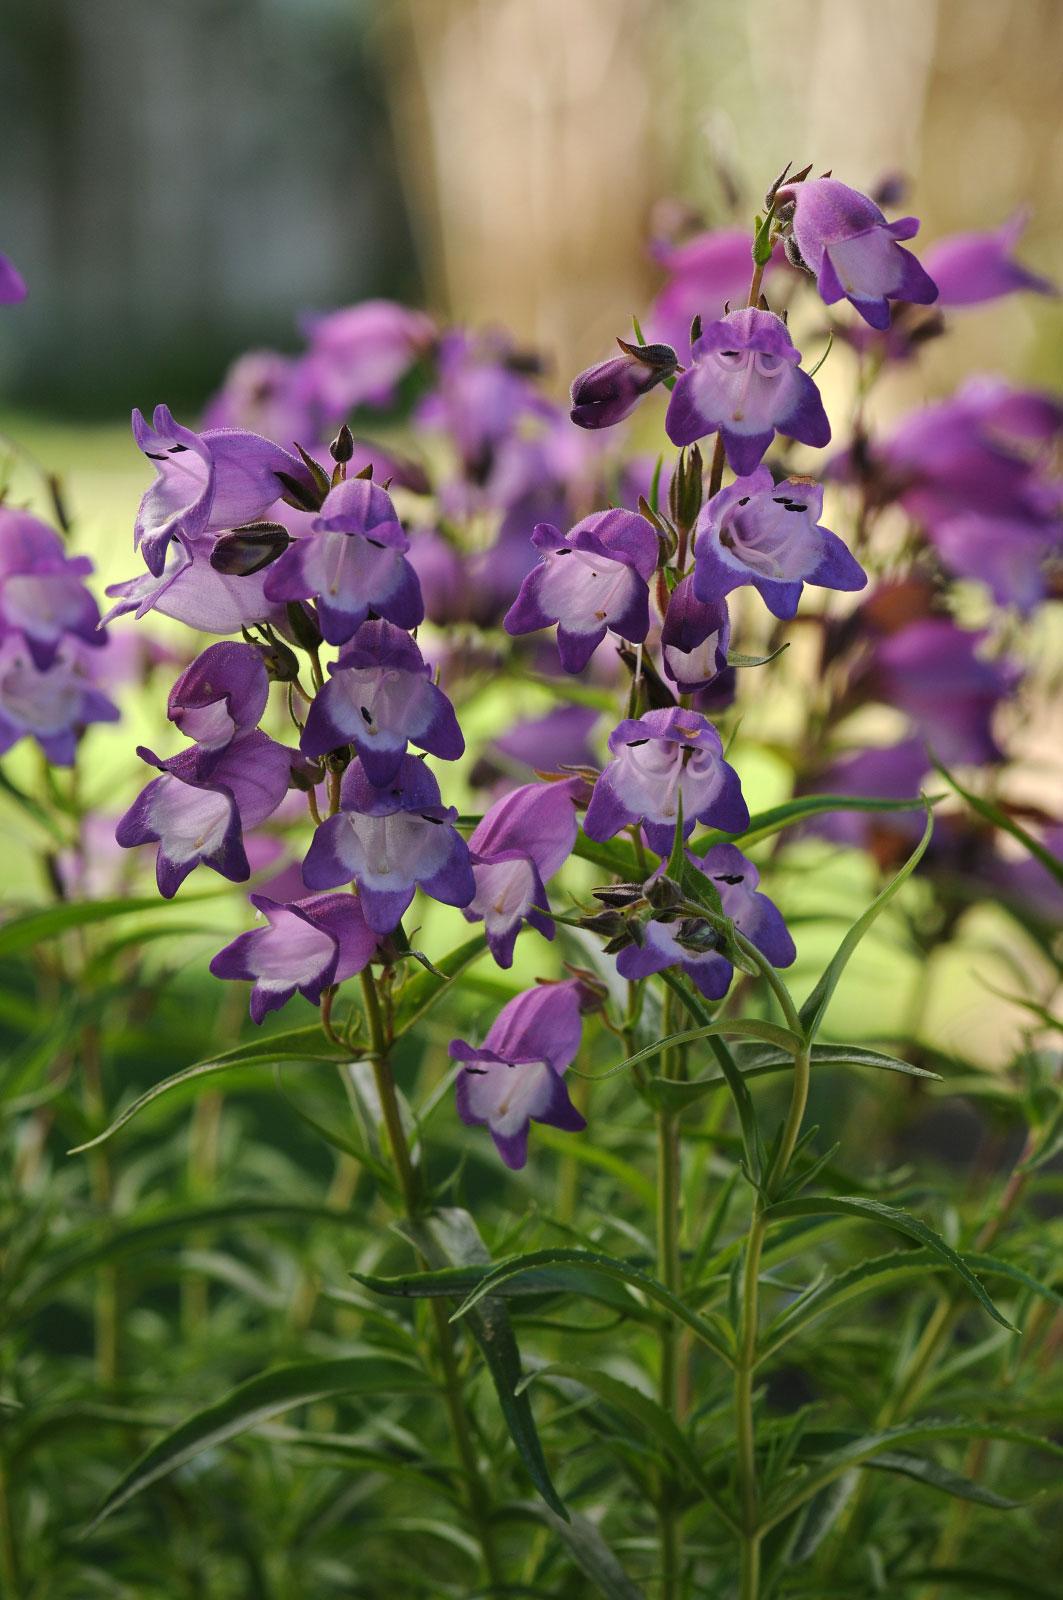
342 447
249 548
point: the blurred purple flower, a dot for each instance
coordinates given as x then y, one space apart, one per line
262 391
53 704
516 848
12 284
42 595
704 273
516 1076
357 355
844 239
971 268
549 743
657 758
882 772
305 945
746 381
932 671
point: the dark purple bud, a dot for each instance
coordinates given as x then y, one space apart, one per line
249 549
607 393
342 447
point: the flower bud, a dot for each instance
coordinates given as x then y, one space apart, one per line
303 625
342 447
607 393
249 549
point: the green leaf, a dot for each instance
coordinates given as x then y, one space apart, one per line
936 1476
610 1267
736 1084
766 823
254 1402
589 1551
425 989
649 1415
754 1061
973 1581
449 1236
752 1028
735 658
211 1069
890 1217
815 1007
458 1282
1001 819
34 927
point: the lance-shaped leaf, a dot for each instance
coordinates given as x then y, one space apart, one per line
815 1007
588 1549
260 1398
900 1222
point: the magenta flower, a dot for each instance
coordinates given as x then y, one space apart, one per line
358 354
12 284
197 810
656 759
971 268
54 704
42 595
735 879
609 392
746 381
516 1076
391 841
517 847
221 695
379 698
305 946
694 638
854 253
353 561
593 579
205 483
766 534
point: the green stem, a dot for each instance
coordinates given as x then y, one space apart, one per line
9 1563
668 1270
478 1503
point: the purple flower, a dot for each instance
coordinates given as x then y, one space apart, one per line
767 534
844 239
354 561
593 579
306 945
932 671
516 1076
358 354
42 595
12 285
390 841
381 696
54 704
1008 554
442 572
735 879
609 392
197 810
886 772
262 391
221 695
548 743
482 392
192 592
971 268
205 483
657 758
694 638
518 846
746 381
704 274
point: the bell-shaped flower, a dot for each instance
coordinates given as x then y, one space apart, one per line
42 593
12 283
746 381
222 694
593 579
971 268
54 705
197 809
516 848
656 759
379 698
303 946
769 535
192 592
205 482
694 638
353 561
854 253
516 1076
673 944
609 392
390 842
